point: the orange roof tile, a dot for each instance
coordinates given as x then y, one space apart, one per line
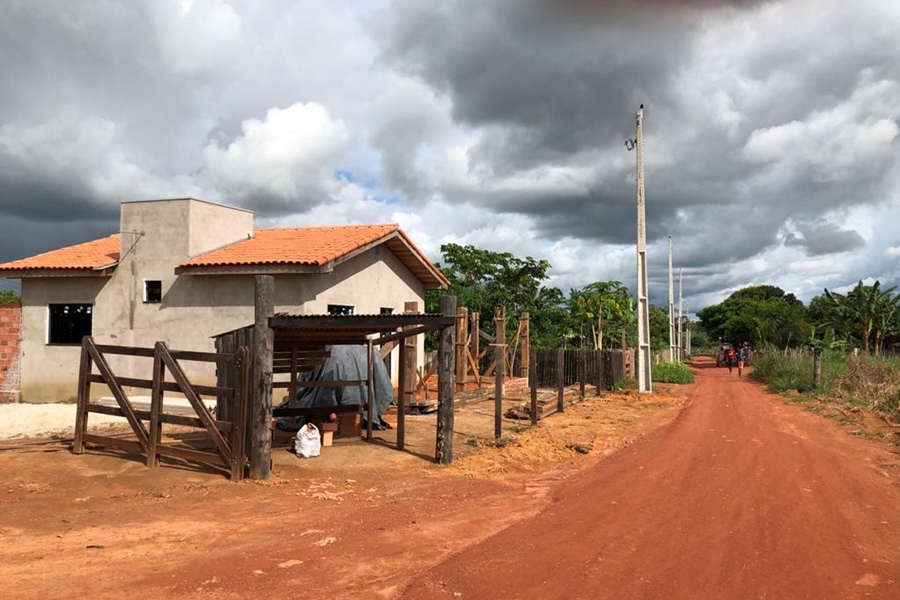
301 246
90 255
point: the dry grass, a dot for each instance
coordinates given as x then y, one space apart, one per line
595 426
871 384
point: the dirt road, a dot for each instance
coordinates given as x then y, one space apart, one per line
741 497
733 495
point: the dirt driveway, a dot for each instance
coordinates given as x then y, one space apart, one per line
731 495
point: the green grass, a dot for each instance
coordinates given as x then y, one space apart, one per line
672 372
866 382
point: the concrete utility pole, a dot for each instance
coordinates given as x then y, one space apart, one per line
645 381
680 318
673 352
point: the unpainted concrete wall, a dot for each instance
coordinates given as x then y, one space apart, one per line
194 308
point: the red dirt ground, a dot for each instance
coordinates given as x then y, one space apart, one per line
740 496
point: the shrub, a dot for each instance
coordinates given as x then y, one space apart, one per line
673 372
626 383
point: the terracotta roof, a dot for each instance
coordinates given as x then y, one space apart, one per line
90 255
294 246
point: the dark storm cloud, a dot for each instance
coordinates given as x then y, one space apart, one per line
825 238
553 81
23 237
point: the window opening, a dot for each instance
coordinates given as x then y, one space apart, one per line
340 309
69 323
152 290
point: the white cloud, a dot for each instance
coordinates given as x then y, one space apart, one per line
195 35
850 138
83 152
289 158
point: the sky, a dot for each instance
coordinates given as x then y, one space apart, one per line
770 128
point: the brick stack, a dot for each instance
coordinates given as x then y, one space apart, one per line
10 323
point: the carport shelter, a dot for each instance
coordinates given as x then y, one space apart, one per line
285 344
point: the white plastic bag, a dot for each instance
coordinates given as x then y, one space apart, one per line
309 441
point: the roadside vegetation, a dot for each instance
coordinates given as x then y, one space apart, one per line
672 372
861 391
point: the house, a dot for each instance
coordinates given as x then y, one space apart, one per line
182 271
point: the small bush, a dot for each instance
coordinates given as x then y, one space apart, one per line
626 383
673 372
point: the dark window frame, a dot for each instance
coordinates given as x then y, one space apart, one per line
340 310
68 323
152 296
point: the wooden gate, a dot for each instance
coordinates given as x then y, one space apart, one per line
228 437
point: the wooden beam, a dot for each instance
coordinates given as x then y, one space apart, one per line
402 376
412 357
500 359
525 324
462 318
156 401
136 425
84 399
560 377
446 369
263 346
532 383
370 389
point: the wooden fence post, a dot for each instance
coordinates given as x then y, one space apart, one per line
461 345
817 367
263 348
500 359
582 371
446 368
84 398
533 384
412 360
525 324
370 388
560 378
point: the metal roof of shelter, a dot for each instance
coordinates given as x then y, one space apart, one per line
319 330
352 329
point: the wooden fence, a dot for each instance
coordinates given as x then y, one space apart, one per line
598 368
228 437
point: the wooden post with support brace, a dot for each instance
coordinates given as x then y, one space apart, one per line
525 325
461 346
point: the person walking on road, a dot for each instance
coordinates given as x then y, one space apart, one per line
730 358
741 357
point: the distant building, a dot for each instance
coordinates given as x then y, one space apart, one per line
181 271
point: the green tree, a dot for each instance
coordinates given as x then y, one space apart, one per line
761 315
868 311
8 296
483 281
602 310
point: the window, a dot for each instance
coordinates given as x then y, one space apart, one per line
69 323
152 290
386 311
340 309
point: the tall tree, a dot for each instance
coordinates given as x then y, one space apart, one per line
761 315
483 281
604 310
